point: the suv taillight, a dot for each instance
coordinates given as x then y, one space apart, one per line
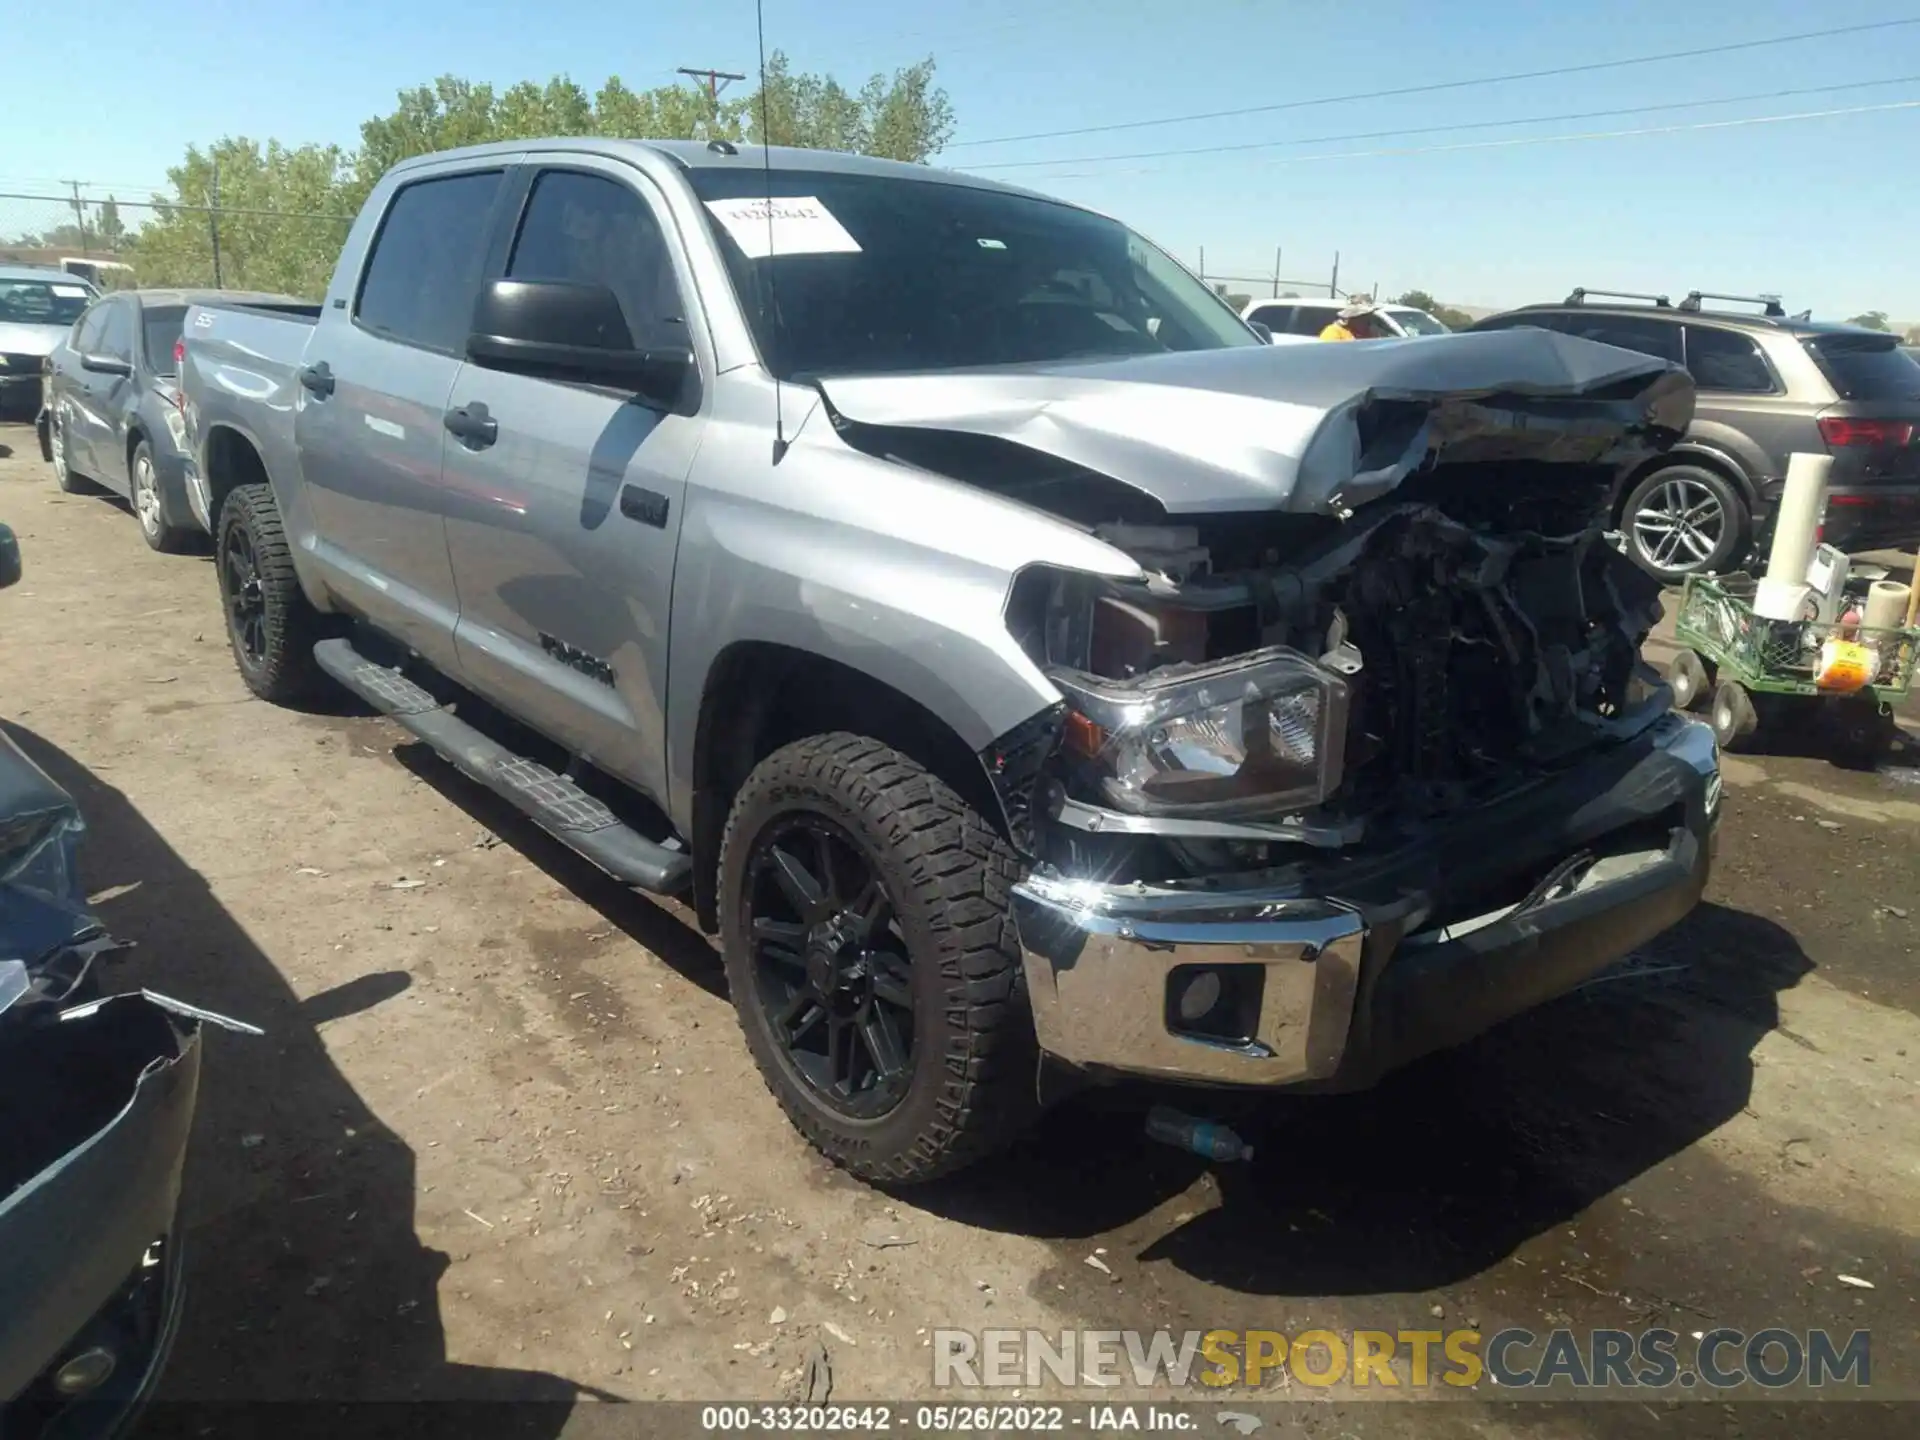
1838 430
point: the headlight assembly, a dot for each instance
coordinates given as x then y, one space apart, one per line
1261 732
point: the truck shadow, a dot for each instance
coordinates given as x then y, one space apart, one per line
1445 1168
305 1279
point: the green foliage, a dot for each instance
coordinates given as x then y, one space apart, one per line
309 195
281 218
1872 320
1448 316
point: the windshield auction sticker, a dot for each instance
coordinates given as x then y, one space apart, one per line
785 225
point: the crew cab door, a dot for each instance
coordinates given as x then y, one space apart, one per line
372 389
569 495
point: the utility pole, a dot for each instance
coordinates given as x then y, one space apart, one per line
80 216
1203 262
714 79
213 224
1276 272
1333 285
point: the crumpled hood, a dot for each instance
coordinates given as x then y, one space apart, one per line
1311 428
18 339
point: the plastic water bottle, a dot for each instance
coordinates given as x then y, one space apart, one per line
1202 1137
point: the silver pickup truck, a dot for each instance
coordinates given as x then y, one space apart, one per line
1028 673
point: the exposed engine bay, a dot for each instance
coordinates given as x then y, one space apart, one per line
1468 633
1377 589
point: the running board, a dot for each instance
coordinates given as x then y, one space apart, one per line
553 802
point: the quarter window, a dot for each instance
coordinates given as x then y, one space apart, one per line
1727 360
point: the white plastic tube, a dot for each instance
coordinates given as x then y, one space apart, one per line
1795 525
1886 606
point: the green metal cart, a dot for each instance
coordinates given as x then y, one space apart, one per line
1749 669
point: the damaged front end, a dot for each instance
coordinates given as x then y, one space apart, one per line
96 1100
1315 757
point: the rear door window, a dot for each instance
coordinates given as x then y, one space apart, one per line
1312 319
160 326
1277 318
1649 337
424 272
1727 360
1866 367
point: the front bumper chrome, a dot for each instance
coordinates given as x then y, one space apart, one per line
1348 988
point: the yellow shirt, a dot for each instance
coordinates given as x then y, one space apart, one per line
1337 331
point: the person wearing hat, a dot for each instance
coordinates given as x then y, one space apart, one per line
1354 322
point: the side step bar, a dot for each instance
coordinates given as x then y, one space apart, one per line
553 802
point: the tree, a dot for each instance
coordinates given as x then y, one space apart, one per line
1448 316
112 231
281 218
1872 320
284 211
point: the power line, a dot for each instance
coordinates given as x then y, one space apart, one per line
1539 139
1447 129
1428 89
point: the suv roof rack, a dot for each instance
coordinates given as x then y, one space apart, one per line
1581 293
1771 306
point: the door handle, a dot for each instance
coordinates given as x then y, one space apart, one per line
473 425
649 507
318 379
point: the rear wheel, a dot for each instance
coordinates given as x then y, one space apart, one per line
871 955
270 623
1691 680
63 472
149 508
1734 718
1685 520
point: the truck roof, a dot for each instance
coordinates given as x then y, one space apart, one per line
724 155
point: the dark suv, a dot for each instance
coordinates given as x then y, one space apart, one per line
1769 385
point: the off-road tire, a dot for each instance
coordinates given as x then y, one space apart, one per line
950 874
167 538
287 671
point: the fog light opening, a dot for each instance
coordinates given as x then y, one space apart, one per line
85 1372
1201 994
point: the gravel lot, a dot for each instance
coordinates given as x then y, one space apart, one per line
502 1137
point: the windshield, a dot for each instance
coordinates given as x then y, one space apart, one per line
1866 366
161 326
42 302
879 273
1417 322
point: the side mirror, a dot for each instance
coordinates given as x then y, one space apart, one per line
566 330
9 557
106 365
1265 332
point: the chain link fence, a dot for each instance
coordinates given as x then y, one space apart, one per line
122 244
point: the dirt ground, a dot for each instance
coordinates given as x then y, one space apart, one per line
502 1138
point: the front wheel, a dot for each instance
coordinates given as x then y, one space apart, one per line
1690 680
270 623
143 489
872 958
1685 520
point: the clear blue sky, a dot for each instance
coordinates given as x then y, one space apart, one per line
1824 211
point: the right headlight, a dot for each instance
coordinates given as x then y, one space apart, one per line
1260 732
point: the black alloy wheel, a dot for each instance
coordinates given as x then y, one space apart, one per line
246 597
831 971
